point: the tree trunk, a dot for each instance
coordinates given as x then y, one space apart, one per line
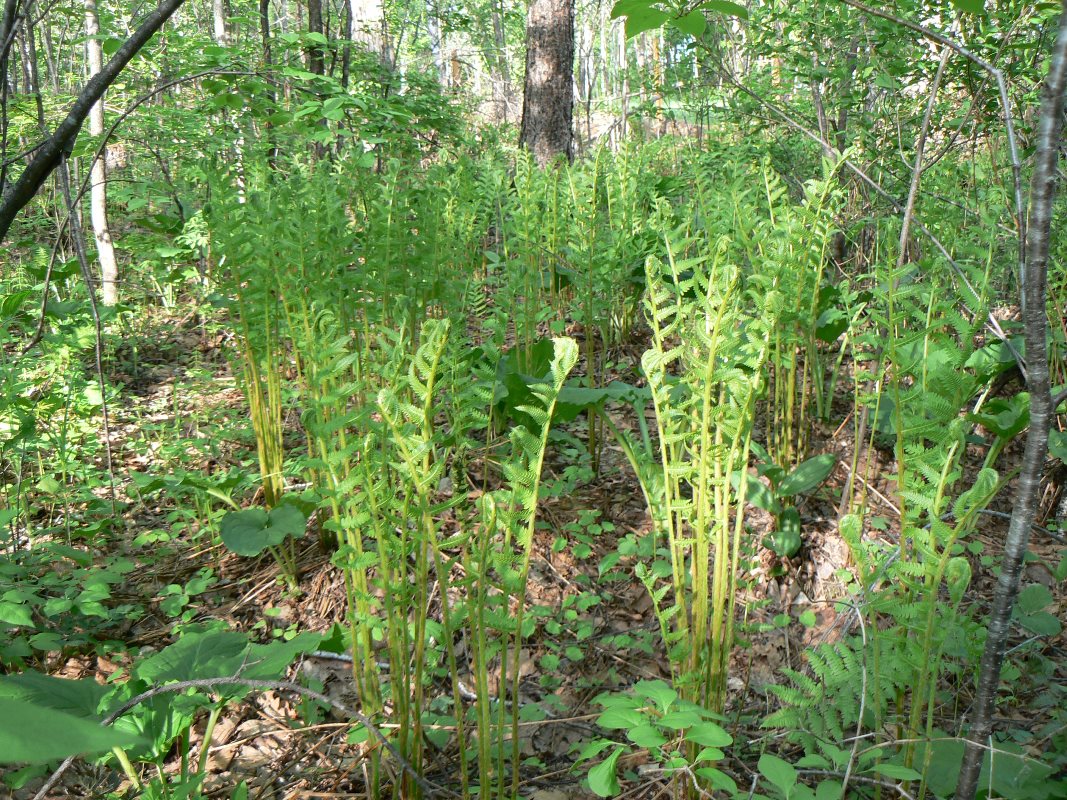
548 92
218 18
105 250
264 34
436 33
346 51
369 28
502 79
316 62
1028 488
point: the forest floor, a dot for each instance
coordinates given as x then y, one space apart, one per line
182 414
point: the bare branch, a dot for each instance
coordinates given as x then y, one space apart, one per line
19 194
1006 113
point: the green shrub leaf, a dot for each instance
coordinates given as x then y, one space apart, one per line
709 734
602 779
807 475
780 773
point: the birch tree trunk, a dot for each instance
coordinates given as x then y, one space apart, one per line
218 18
1042 407
105 250
502 79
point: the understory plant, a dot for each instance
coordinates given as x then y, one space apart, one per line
704 381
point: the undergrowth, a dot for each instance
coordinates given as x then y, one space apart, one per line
413 346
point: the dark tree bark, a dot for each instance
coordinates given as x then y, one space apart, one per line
548 93
316 59
346 52
47 156
1028 490
264 33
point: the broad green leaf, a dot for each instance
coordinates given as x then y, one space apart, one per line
896 772
1042 623
807 475
1034 597
358 735
35 734
574 400
47 641
1057 445
81 698
621 718
221 654
994 358
624 7
647 736
199 654
718 780
970 6
1004 417
781 773
594 748
602 778
692 23
725 7
645 19
756 492
787 540
677 720
269 661
15 614
250 532
11 304
709 734
831 324
658 692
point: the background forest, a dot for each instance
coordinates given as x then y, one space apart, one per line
547 400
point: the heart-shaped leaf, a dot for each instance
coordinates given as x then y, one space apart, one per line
250 532
1005 417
